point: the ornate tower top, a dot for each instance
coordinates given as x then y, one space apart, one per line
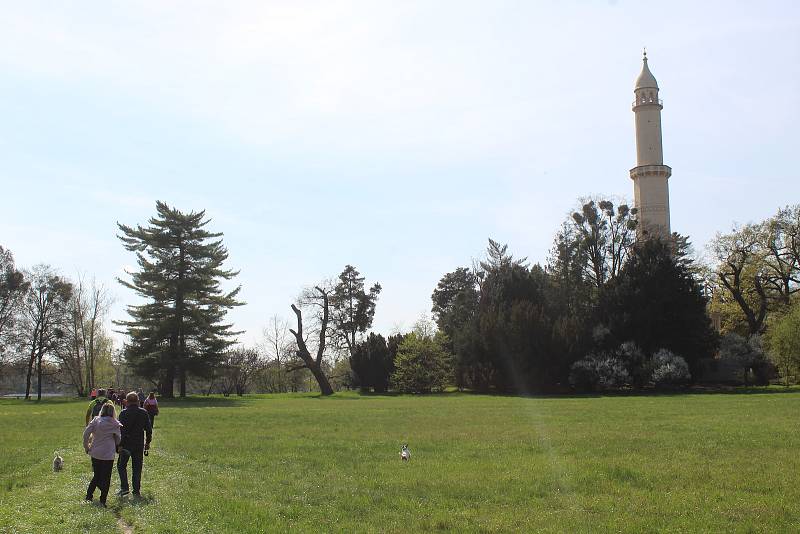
646 80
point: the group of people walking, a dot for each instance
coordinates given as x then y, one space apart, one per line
129 436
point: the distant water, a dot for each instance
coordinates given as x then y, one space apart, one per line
33 395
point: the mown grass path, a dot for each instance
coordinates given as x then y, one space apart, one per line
698 462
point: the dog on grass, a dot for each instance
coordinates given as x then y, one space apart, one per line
405 454
58 463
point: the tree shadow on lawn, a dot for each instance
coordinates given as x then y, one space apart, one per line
722 389
45 400
349 395
710 389
714 389
202 402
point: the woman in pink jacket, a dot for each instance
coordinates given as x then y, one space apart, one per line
104 431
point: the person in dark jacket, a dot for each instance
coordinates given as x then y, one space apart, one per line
137 433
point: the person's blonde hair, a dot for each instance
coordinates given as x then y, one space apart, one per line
108 410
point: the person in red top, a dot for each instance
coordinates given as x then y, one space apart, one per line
151 405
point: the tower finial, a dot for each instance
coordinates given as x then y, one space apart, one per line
644 53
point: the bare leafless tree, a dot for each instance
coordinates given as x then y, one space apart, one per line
78 354
316 299
13 288
278 349
43 319
277 344
238 368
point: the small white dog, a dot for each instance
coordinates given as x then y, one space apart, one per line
405 454
58 463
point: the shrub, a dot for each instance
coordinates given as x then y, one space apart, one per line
422 364
598 372
583 375
669 369
748 355
784 343
635 362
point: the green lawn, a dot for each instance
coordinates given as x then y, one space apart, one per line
695 462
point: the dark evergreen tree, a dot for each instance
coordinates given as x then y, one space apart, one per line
515 329
570 297
455 305
372 363
179 329
657 303
455 300
352 308
497 256
392 344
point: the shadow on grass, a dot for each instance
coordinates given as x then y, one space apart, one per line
15 399
356 395
714 389
217 401
135 502
129 501
710 389
202 402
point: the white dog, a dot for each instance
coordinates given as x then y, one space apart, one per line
58 463
405 454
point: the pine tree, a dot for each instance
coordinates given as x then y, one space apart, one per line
180 329
352 308
372 363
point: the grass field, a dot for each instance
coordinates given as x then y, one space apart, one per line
695 462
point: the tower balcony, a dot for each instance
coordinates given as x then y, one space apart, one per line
647 102
641 171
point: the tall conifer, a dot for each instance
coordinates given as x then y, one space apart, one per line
180 328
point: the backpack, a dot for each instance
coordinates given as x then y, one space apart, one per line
97 406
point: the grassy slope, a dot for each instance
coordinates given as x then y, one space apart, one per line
480 463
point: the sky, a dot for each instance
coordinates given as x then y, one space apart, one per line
393 136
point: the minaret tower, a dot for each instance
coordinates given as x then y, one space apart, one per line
650 187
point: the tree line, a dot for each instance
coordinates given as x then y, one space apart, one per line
605 311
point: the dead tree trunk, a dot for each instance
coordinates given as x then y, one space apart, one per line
314 364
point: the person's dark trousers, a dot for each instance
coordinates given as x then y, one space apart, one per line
136 457
101 479
152 420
